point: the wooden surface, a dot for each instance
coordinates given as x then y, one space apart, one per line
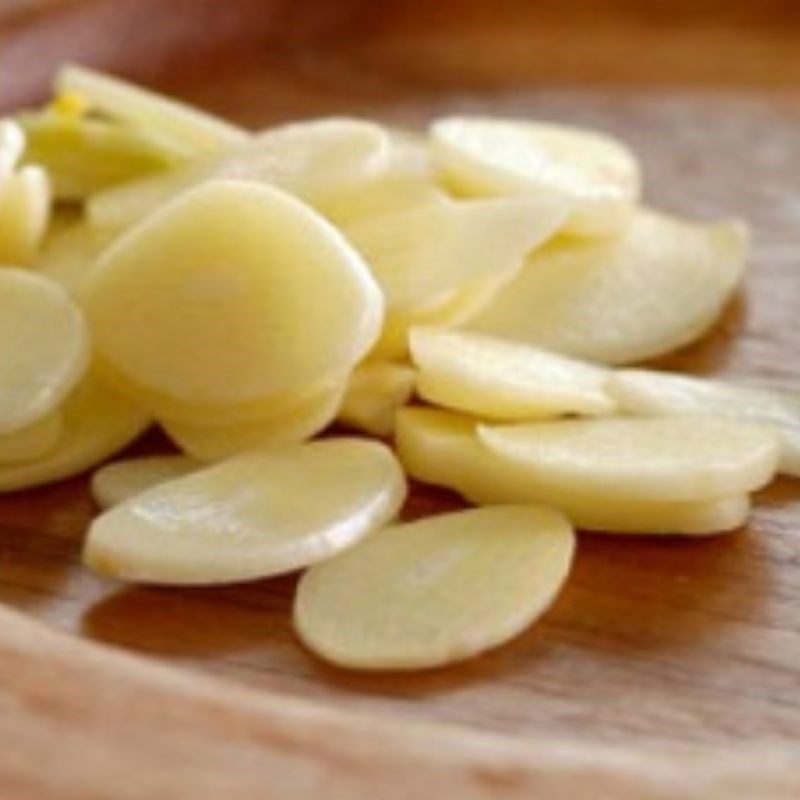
654 642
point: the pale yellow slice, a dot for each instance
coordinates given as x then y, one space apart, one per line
68 254
443 449
421 255
597 176
309 159
288 421
642 458
504 380
12 146
31 442
97 423
654 288
190 130
121 480
375 393
263 513
84 155
44 348
437 591
648 392
24 214
230 293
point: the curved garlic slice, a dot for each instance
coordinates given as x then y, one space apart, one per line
119 481
436 591
262 513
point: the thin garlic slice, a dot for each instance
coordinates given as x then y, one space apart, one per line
190 130
31 442
24 214
596 175
654 288
121 480
443 449
648 392
288 421
97 423
642 458
433 592
375 393
262 513
504 380
238 276
44 348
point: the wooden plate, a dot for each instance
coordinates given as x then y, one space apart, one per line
666 669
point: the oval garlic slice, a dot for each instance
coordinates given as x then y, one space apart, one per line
238 276
121 480
96 423
44 347
657 286
648 392
443 449
642 458
504 380
24 214
262 513
597 176
436 591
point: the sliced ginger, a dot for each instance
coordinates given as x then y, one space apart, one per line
121 480
288 421
642 458
433 592
655 287
230 293
504 380
262 513
648 392
443 449
44 348
375 393
188 130
97 423
595 175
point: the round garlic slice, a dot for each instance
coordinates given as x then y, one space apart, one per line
504 380
443 449
642 458
44 348
31 442
121 480
262 513
659 285
597 176
436 591
232 292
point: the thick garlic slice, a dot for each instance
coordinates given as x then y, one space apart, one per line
504 380
436 591
657 286
597 176
44 348
443 449
375 393
648 392
262 513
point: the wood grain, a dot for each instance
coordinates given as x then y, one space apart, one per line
659 641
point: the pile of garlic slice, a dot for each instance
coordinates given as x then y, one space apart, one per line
472 294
